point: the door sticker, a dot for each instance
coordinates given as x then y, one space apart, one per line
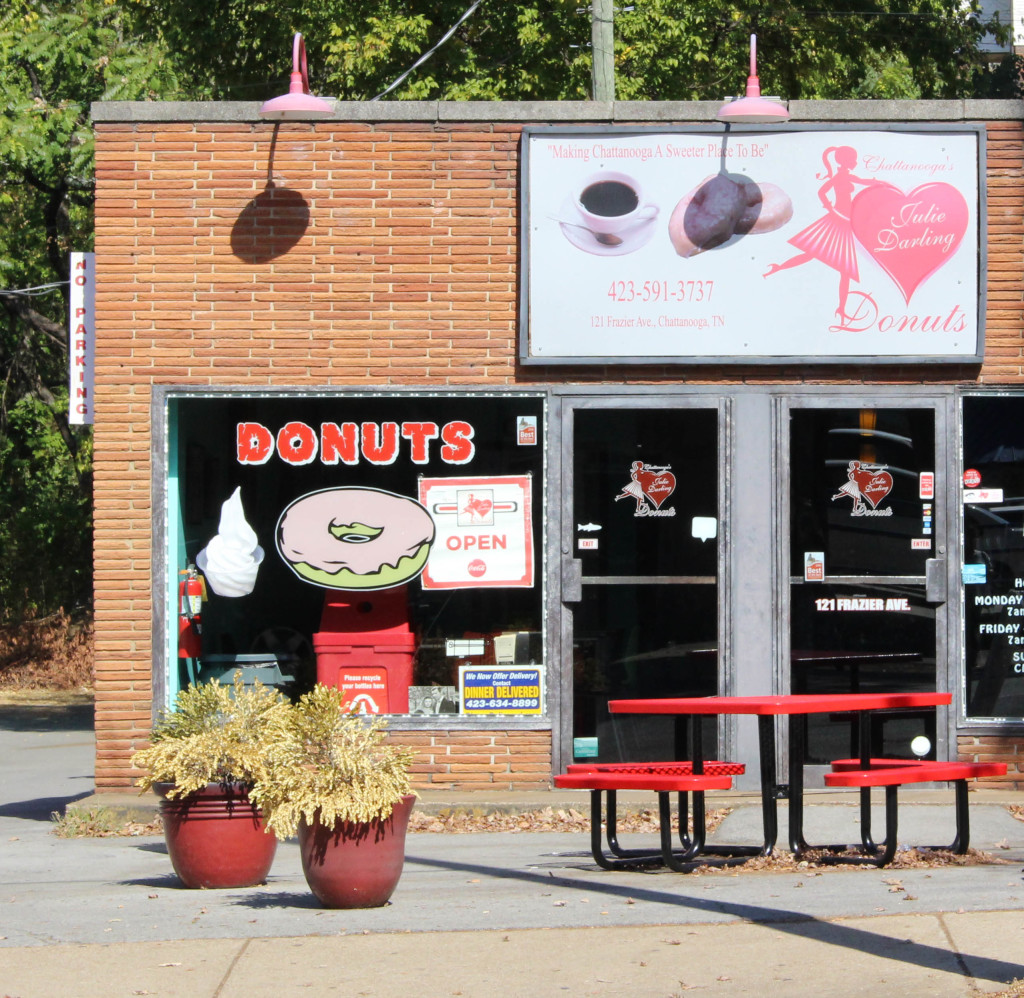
867 486
974 574
863 604
526 431
814 566
650 485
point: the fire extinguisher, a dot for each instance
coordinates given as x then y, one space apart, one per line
190 603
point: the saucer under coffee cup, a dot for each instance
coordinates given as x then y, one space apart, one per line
610 203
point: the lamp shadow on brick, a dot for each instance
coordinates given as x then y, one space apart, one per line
269 225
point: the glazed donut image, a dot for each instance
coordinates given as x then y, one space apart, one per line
724 205
354 538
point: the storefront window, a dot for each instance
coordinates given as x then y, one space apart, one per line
993 566
389 544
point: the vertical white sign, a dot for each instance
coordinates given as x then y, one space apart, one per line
82 338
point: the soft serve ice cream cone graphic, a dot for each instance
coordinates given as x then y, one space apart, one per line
232 557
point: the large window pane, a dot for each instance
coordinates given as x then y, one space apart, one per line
465 472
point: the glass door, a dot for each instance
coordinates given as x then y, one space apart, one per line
867 573
993 571
640 583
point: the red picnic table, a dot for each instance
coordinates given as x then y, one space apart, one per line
766 709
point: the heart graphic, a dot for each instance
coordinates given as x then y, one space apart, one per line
912 235
478 507
657 485
874 484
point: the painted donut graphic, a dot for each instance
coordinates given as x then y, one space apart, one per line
355 538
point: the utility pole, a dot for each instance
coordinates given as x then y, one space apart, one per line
602 48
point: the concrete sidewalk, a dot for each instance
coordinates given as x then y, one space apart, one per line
930 956
495 914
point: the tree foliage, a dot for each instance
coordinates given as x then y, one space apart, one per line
664 49
55 58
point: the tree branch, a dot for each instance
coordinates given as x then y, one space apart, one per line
19 308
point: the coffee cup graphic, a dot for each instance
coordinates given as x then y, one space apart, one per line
610 203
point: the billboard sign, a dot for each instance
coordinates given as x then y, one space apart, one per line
852 245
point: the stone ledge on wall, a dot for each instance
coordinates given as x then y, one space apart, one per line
553 112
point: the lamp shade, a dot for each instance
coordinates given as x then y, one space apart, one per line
298 103
753 108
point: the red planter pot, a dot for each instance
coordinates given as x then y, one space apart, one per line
215 837
355 864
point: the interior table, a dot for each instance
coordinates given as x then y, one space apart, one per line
767 709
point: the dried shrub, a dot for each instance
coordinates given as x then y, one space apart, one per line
331 765
213 734
54 652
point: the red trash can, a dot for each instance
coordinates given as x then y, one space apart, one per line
365 648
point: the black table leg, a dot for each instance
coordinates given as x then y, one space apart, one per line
769 782
797 754
699 842
694 732
864 748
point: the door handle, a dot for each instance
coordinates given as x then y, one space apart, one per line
572 580
935 580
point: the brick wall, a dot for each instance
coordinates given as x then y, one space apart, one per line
995 748
229 254
477 760
348 253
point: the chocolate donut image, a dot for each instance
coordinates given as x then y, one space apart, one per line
354 538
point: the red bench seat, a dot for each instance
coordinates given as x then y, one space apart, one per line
894 773
662 778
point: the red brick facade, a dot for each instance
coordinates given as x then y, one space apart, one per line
355 253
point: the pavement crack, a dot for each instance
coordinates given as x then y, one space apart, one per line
231 967
955 950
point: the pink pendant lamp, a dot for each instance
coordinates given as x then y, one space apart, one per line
753 108
298 103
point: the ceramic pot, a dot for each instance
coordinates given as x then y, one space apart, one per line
355 864
215 837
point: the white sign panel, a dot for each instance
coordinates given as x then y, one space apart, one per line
813 246
484 532
81 338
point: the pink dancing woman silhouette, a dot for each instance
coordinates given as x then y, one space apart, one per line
830 238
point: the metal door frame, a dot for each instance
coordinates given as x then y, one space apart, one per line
754 596
944 528
567 581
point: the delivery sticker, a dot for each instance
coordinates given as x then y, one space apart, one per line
650 485
867 485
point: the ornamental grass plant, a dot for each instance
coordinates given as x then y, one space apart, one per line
214 734
331 766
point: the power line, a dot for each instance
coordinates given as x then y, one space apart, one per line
426 55
34 292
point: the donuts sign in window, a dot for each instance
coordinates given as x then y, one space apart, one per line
355 538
